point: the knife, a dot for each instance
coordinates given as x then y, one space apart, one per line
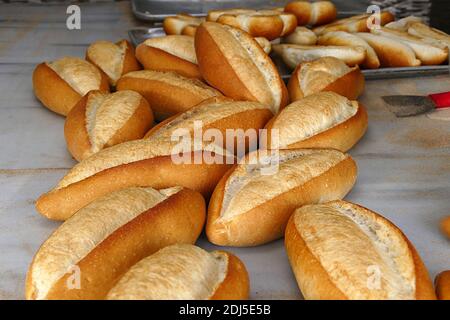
406 106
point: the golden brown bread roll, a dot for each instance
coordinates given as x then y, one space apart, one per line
169 53
233 62
253 201
325 74
429 34
339 251
114 59
442 283
301 35
312 13
168 92
60 84
182 24
321 120
445 226
184 272
101 119
88 253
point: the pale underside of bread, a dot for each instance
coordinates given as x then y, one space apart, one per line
365 241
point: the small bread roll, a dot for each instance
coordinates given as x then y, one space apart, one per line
321 120
342 38
428 34
445 226
60 84
182 24
253 201
301 35
169 92
341 251
184 272
325 74
169 53
233 62
88 253
442 283
312 13
101 120
114 59
404 23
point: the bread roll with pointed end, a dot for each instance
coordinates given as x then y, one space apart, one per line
442 284
114 59
100 120
404 23
294 54
315 13
60 84
341 251
233 62
87 254
392 53
321 120
301 35
184 272
253 201
428 34
342 38
325 74
445 226
138 163
168 92
169 53
181 24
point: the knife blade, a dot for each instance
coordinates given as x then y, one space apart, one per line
406 106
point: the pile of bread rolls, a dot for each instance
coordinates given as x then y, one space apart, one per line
132 214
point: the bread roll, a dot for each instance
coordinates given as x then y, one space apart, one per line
253 201
445 226
325 74
233 62
342 38
169 53
100 120
181 24
143 163
184 272
321 120
341 251
301 35
404 23
429 34
60 84
312 13
88 253
114 59
442 283
264 44
391 53
168 92
294 54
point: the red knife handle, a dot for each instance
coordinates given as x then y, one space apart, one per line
441 100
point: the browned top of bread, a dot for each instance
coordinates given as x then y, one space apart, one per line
429 34
108 56
176 24
301 35
178 45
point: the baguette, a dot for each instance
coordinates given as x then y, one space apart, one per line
183 24
321 120
342 38
445 226
429 34
139 163
442 283
60 84
315 13
325 74
253 201
169 53
294 54
184 272
233 62
341 251
105 238
114 59
391 53
169 92
100 120
301 35
404 23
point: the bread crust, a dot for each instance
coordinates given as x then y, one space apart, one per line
178 219
442 283
445 226
325 12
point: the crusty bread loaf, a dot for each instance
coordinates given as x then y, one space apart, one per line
342 38
404 23
325 74
294 54
143 163
233 62
181 24
114 59
87 254
339 250
321 120
60 84
312 13
445 226
184 272
253 201
169 53
301 35
391 53
168 92
442 283
429 34
101 119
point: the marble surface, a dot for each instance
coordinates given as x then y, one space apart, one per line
404 164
